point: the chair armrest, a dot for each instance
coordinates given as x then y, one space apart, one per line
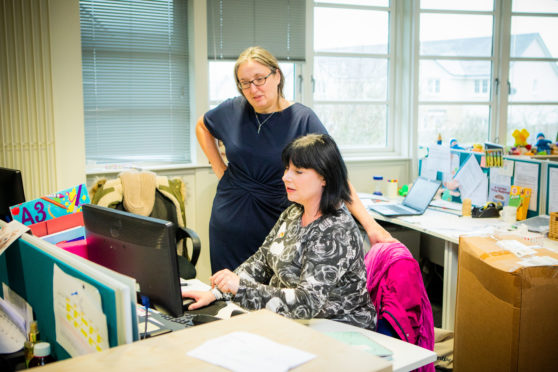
185 233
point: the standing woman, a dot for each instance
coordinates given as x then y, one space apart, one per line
255 127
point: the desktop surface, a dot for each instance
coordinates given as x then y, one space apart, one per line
168 352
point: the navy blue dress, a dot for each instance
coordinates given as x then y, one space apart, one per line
251 195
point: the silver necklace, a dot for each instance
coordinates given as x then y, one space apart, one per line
263 122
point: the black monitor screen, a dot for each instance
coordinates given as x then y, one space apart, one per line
141 247
11 191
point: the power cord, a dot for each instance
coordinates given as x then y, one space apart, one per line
145 302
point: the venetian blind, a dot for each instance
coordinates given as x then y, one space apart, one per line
135 80
277 25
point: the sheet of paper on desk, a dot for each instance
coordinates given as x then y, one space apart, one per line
362 342
194 285
440 203
367 196
243 351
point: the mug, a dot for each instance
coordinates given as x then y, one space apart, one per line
509 214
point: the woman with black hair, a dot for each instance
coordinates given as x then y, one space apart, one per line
311 265
254 128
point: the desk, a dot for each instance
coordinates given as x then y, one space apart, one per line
406 356
168 352
449 227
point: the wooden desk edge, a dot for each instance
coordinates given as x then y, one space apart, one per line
168 352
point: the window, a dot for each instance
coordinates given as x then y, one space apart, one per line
459 58
433 86
135 80
481 86
533 69
235 26
351 72
222 84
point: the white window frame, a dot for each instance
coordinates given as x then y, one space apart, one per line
395 147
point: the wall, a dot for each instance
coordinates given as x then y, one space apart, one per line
41 94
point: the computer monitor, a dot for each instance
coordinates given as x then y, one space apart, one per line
141 247
11 191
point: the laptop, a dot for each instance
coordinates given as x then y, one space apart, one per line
540 224
416 201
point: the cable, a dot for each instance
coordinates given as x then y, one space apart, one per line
145 302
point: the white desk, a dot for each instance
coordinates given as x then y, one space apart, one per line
406 356
449 227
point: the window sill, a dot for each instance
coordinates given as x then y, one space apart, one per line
115 168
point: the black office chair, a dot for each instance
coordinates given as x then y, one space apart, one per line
164 209
187 265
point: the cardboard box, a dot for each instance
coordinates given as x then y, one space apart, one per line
506 314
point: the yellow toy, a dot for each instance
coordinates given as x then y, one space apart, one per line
477 147
520 137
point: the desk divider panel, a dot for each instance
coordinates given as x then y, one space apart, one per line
28 270
543 187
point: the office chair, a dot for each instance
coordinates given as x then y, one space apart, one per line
394 281
152 196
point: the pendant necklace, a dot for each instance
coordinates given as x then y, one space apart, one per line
263 122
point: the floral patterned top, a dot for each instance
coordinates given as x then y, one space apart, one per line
316 271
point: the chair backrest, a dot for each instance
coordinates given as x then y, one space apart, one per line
167 204
393 264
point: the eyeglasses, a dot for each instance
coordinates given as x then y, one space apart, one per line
257 82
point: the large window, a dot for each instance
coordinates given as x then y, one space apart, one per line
351 72
533 69
455 68
376 72
135 80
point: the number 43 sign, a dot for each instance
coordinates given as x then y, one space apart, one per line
51 206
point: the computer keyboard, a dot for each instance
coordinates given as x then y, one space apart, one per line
187 320
400 209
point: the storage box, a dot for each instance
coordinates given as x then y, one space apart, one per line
506 314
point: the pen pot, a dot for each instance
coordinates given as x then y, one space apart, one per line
391 189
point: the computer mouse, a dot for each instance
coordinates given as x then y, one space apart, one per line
187 301
204 318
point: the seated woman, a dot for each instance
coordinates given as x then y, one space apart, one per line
311 265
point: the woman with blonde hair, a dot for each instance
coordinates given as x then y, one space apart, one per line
254 128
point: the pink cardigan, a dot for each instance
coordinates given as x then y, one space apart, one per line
395 284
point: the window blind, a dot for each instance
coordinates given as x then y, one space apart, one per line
135 80
276 25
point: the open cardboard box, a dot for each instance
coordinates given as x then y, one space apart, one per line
506 314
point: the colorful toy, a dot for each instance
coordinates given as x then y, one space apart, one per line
403 190
543 145
477 147
520 137
455 145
